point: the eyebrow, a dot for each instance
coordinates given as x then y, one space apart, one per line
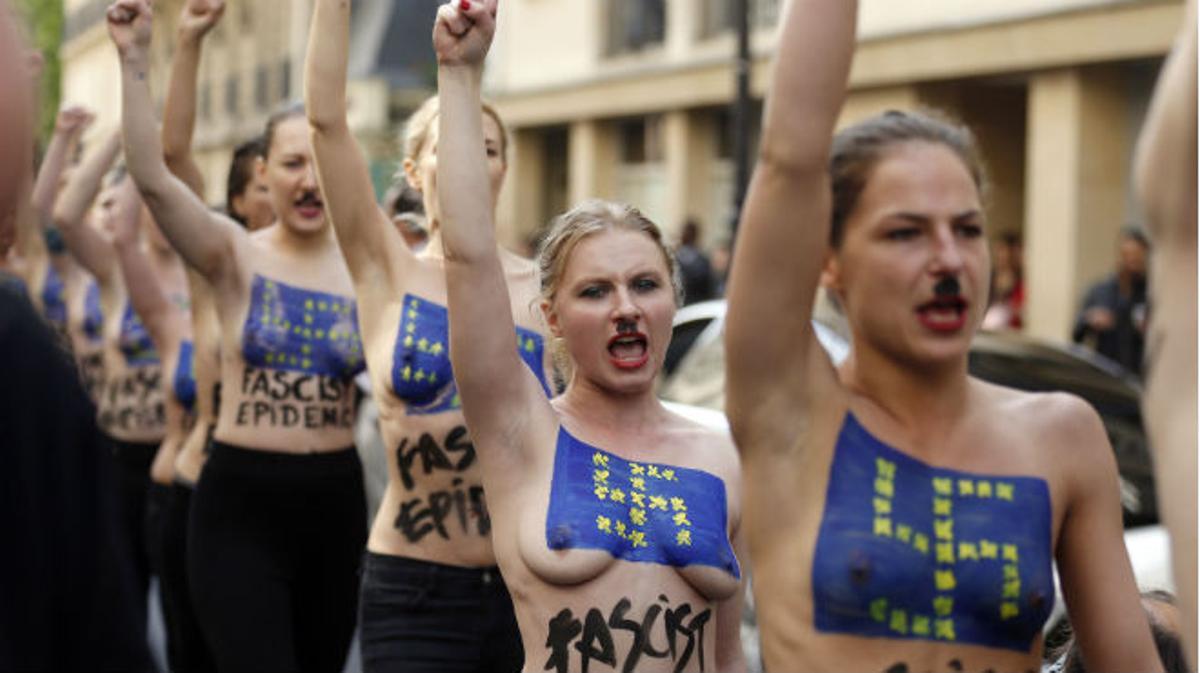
918 218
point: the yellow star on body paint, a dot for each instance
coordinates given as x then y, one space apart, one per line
604 524
684 538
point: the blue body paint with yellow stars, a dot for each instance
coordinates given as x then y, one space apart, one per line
54 302
135 342
643 512
906 550
301 330
421 371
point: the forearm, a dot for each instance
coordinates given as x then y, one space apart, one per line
87 245
146 294
46 187
809 83
1165 165
179 113
464 193
184 219
325 66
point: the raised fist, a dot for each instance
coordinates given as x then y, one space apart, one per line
73 119
199 16
463 31
130 24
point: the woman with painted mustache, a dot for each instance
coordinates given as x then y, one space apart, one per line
614 520
429 565
901 514
278 515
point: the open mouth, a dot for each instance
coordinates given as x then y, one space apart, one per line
629 350
310 206
944 314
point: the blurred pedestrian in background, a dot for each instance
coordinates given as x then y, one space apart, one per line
1112 320
698 281
1007 299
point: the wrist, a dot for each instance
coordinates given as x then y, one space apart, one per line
134 57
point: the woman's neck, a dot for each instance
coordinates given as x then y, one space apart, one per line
610 412
916 396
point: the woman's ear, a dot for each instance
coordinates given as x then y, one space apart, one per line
831 272
551 318
410 175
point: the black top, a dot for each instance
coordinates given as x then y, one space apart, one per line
1123 342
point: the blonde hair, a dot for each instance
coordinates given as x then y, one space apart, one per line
420 123
588 218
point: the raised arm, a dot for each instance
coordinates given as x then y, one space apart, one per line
770 345
179 111
146 294
70 124
89 247
205 240
363 231
496 392
1166 176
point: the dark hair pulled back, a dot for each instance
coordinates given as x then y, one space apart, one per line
859 148
241 173
284 113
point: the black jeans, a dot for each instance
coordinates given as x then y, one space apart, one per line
418 616
132 477
273 550
186 650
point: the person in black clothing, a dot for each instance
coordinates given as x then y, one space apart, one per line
698 281
1113 317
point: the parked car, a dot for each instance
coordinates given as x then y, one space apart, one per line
694 374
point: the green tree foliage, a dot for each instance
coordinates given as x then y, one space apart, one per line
45 20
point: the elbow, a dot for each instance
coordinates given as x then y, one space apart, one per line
323 121
790 160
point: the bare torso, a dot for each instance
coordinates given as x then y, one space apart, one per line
1008 442
585 608
434 507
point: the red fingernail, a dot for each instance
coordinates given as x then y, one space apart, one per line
464 5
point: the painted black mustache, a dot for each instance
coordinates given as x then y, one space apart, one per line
626 326
947 287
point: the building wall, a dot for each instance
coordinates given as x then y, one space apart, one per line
1054 90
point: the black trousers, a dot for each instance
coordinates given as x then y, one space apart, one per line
131 462
273 553
186 650
419 616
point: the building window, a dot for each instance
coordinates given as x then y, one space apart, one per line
719 15
262 90
285 80
634 25
233 103
641 140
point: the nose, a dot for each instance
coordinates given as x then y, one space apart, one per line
948 258
310 177
625 309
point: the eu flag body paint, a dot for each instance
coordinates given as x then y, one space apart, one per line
906 550
421 371
54 303
93 316
643 512
300 330
135 342
184 380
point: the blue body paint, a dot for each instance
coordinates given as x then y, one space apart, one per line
135 341
300 330
93 316
906 550
644 512
421 372
54 301
184 381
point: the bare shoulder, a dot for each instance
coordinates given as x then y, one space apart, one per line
1057 419
707 437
